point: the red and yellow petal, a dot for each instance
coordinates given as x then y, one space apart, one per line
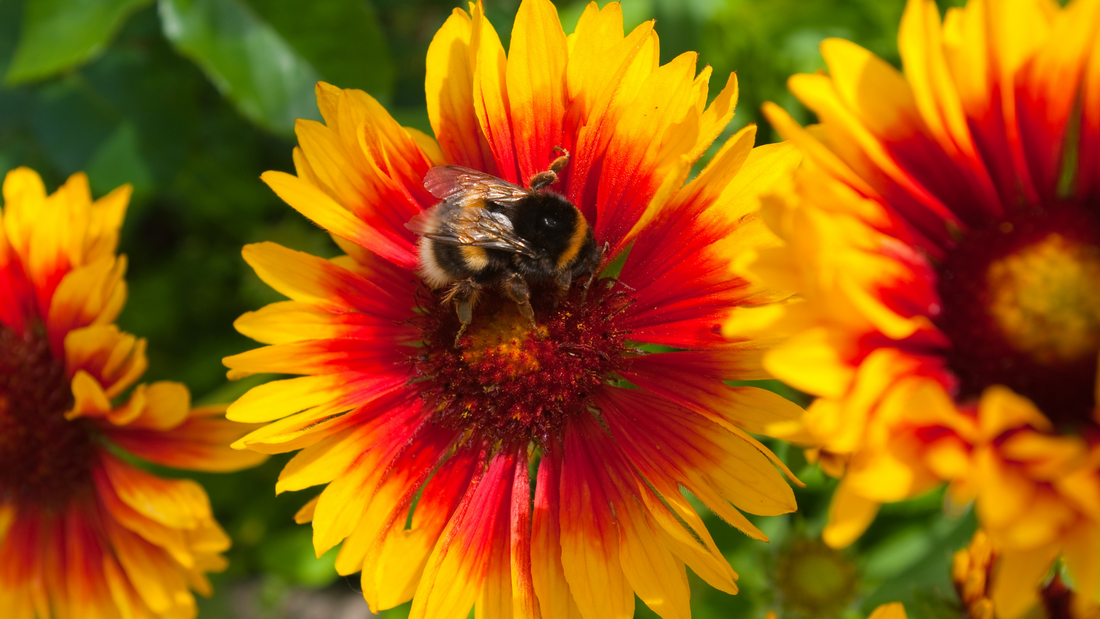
200 442
469 560
537 95
392 569
44 238
589 537
112 358
449 90
547 571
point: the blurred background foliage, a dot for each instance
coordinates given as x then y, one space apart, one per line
191 100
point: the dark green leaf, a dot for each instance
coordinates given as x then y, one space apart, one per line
11 14
69 124
914 565
247 59
342 40
58 34
290 555
117 161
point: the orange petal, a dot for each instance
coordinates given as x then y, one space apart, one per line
1081 550
464 555
319 282
889 611
645 148
589 539
490 94
291 321
149 569
392 569
89 400
535 75
166 405
91 294
849 516
1017 579
327 213
524 602
180 504
1004 492
812 362
200 443
1001 409
658 577
547 573
449 84
113 358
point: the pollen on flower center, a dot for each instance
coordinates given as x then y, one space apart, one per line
44 458
1021 306
510 382
1046 299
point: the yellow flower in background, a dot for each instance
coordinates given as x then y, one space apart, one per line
83 532
496 463
944 238
972 572
893 610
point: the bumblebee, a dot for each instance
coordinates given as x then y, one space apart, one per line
488 233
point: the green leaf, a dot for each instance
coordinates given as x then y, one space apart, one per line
246 58
342 40
68 124
913 565
59 34
119 161
290 554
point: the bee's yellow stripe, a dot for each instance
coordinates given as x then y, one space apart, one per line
575 242
475 257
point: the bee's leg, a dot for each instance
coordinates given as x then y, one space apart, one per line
464 293
516 289
559 164
563 281
595 271
543 179
550 176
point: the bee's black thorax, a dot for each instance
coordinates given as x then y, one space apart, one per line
558 231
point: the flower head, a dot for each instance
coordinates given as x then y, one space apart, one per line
83 532
814 580
944 238
426 443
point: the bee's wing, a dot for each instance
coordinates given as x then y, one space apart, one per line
466 187
426 222
453 224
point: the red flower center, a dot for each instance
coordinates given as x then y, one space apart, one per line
44 458
1021 306
509 382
